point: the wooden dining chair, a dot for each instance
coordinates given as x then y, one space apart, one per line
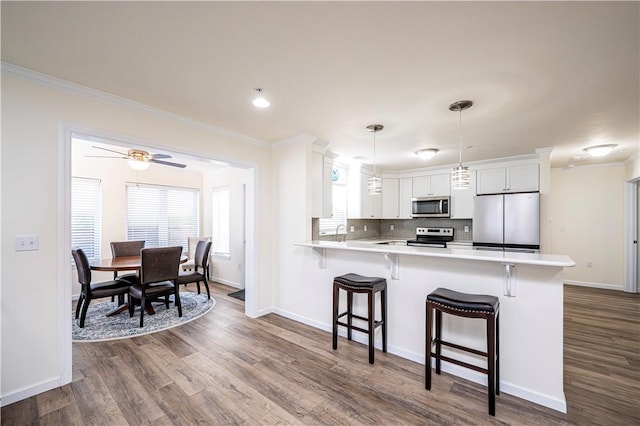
158 278
126 248
89 290
200 272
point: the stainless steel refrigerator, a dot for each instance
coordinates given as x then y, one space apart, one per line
507 221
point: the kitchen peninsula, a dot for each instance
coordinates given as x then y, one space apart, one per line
529 286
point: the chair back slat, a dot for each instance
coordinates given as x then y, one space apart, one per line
160 264
82 265
202 254
126 248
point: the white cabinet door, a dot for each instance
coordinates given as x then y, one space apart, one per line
390 202
440 184
404 198
508 179
430 186
491 181
322 185
370 205
522 178
462 200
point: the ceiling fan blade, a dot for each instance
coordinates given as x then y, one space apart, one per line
168 163
104 156
159 156
110 150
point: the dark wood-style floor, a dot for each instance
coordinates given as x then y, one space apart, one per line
225 368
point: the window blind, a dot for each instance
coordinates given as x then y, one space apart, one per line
220 226
162 215
85 216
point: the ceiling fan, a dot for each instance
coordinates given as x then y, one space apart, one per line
139 159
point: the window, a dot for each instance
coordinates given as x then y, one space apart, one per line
338 217
162 215
85 216
220 226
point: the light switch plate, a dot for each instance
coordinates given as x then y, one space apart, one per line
27 242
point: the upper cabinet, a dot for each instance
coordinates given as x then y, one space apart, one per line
396 198
360 204
431 186
321 199
522 178
462 200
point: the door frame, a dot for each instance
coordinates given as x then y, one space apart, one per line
632 230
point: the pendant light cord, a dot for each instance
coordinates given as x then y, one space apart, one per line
374 153
460 137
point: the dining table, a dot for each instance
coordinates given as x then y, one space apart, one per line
126 263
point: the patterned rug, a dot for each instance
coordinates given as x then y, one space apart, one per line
98 327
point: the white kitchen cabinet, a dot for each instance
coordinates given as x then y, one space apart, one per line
508 179
390 198
322 195
405 189
360 204
462 200
431 186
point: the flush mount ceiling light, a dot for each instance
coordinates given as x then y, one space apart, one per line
600 150
426 154
260 101
374 184
460 176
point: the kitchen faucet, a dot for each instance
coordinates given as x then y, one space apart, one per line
344 236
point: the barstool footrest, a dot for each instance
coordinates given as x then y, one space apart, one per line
462 348
354 316
460 363
362 330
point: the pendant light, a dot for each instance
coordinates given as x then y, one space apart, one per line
460 176
260 101
374 184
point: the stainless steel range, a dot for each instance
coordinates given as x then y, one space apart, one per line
432 237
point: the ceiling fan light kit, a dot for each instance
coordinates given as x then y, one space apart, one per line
374 183
460 175
138 159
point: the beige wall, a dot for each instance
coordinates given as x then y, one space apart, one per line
36 292
587 222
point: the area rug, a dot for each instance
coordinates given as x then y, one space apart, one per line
98 327
237 294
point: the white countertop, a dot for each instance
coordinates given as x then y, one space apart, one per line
454 251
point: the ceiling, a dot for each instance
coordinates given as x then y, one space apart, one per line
541 74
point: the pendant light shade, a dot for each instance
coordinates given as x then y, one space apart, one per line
374 184
460 175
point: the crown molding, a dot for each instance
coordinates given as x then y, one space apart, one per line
45 80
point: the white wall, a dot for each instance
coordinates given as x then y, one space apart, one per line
36 293
229 270
587 223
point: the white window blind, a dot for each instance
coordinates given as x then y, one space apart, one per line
328 226
220 226
85 216
162 215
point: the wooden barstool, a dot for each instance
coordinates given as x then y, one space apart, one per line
354 283
469 306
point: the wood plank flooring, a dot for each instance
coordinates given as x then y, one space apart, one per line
225 368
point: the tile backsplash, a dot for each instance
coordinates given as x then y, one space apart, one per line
403 229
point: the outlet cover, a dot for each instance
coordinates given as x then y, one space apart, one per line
27 242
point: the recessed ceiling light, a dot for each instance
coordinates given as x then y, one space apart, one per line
260 101
426 154
600 150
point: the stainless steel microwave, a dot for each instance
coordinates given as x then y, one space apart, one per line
430 207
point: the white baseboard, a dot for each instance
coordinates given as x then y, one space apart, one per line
226 282
594 285
30 391
464 373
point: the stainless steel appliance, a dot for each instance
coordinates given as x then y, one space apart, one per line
432 237
430 207
507 221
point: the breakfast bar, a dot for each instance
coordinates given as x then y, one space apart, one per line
529 286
